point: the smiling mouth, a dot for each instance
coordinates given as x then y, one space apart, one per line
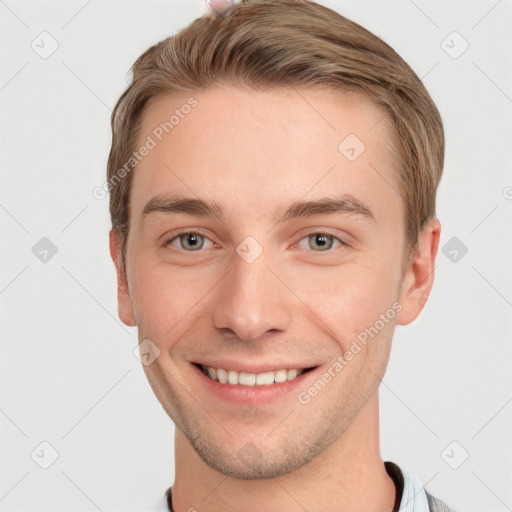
252 379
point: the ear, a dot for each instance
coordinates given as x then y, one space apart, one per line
418 277
124 304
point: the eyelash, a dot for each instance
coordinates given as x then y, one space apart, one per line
294 246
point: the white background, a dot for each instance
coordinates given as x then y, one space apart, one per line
67 372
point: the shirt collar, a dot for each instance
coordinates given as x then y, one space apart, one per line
414 498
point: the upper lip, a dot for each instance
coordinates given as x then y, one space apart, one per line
254 368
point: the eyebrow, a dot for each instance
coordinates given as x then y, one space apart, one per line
198 207
326 205
180 204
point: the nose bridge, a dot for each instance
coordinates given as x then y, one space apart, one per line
252 300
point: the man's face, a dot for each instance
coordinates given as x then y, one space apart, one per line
258 290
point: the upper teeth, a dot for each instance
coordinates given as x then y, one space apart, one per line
251 379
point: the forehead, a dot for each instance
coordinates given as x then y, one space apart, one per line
253 149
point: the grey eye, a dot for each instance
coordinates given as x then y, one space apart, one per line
190 241
319 241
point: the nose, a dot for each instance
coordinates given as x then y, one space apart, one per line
252 301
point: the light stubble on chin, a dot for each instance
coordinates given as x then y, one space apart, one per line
284 450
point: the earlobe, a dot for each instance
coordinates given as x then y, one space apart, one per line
124 305
418 278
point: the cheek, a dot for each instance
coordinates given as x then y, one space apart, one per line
349 298
157 305
165 299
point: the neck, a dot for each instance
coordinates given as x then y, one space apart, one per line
349 475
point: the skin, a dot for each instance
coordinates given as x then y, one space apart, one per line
297 303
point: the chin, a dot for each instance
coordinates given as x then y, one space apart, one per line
248 460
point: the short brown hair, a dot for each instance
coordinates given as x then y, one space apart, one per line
267 44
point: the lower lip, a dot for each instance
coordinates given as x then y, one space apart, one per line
251 395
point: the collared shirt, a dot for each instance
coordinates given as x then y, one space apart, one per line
413 497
